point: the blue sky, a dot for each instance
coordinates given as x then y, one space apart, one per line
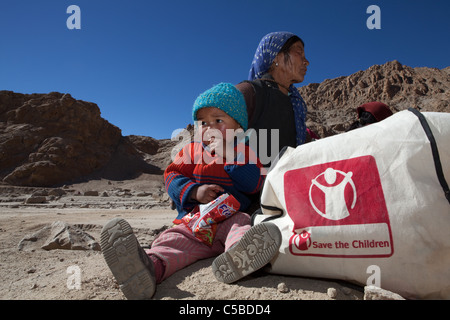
145 62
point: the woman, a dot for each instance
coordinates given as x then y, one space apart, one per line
273 103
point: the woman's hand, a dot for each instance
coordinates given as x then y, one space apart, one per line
206 192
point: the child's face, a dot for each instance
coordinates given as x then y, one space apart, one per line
213 119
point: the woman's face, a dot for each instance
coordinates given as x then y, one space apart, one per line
295 67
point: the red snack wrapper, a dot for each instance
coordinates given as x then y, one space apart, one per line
204 222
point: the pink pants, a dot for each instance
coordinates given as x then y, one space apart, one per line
177 247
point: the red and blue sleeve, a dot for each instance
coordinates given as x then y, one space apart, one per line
178 179
247 173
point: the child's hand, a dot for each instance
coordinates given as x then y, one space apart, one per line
206 193
216 146
222 149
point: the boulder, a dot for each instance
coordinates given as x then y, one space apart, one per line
36 199
59 235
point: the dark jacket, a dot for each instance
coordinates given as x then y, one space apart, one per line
269 108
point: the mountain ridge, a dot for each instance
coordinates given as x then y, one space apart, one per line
51 139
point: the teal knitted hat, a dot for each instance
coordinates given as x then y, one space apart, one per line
227 98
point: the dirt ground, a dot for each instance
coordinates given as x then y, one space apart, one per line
33 273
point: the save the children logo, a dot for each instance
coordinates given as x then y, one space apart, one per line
335 205
302 241
338 210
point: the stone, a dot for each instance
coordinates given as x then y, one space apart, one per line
143 194
282 287
57 192
91 193
59 235
332 293
36 199
376 293
40 193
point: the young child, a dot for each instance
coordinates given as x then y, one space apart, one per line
219 166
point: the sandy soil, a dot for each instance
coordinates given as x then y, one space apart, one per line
38 274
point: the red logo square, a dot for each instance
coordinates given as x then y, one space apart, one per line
341 193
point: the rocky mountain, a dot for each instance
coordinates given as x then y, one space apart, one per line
53 139
50 139
332 104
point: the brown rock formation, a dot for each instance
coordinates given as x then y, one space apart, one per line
47 139
332 104
52 139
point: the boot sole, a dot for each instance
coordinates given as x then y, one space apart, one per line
121 252
258 247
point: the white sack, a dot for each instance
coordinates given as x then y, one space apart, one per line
366 206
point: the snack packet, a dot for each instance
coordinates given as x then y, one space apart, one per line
203 223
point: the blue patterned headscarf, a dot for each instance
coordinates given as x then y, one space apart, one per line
268 49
